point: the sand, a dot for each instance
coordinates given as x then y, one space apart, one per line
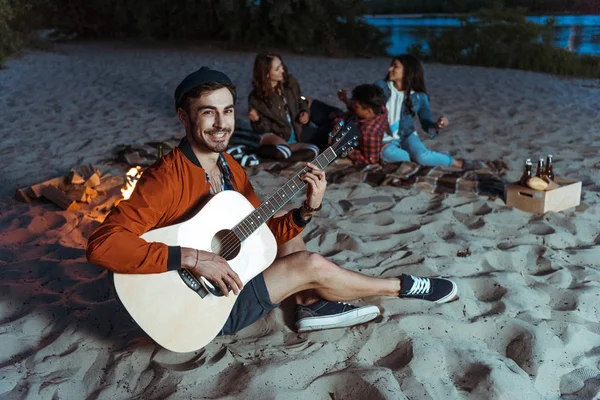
524 327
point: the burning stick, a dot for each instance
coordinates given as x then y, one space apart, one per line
131 178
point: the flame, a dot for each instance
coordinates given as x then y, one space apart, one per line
131 179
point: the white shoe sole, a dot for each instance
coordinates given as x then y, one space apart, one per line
450 295
349 318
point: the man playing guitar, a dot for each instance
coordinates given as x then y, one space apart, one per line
178 185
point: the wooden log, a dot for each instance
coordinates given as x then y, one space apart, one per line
35 191
80 193
87 170
58 197
22 195
75 178
109 182
76 192
93 180
91 193
106 203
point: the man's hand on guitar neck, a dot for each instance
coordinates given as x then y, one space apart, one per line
213 267
315 190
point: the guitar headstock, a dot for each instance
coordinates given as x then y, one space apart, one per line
344 137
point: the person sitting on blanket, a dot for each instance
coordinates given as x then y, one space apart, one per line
292 127
173 189
404 88
367 111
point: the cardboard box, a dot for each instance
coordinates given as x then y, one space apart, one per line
535 201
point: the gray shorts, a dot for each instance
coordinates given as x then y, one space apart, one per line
252 303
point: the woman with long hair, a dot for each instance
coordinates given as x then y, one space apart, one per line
291 126
407 99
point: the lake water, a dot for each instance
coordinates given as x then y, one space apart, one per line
577 33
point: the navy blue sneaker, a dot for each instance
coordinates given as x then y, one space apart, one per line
438 290
325 315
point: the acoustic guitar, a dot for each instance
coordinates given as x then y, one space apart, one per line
182 312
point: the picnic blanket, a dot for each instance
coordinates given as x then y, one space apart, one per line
479 177
482 178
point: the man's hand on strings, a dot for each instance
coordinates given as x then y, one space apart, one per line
213 267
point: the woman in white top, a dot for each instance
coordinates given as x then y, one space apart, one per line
404 87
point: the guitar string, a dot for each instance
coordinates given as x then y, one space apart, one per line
231 239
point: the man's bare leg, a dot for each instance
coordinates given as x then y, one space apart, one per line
309 278
301 271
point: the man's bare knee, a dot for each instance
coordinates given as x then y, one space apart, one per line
320 269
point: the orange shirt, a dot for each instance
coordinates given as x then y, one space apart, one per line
169 192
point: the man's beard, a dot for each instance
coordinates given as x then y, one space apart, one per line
214 147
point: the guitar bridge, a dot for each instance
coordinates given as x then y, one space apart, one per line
212 288
193 283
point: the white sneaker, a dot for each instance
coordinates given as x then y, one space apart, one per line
325 315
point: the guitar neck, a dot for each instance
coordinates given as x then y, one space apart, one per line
286 193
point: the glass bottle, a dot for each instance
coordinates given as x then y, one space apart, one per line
527 171
549 172
540 168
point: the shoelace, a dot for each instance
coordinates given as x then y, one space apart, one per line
420 286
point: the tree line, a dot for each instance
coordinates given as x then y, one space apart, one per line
500 36
331 27
539 7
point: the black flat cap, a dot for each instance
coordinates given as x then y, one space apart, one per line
203 75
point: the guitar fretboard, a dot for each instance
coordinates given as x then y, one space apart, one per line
274 203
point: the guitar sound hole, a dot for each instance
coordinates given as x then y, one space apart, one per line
226 244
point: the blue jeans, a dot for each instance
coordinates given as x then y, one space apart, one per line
411 148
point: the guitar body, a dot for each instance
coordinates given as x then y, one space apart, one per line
172 314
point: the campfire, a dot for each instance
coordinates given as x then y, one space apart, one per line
85 186
131 178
